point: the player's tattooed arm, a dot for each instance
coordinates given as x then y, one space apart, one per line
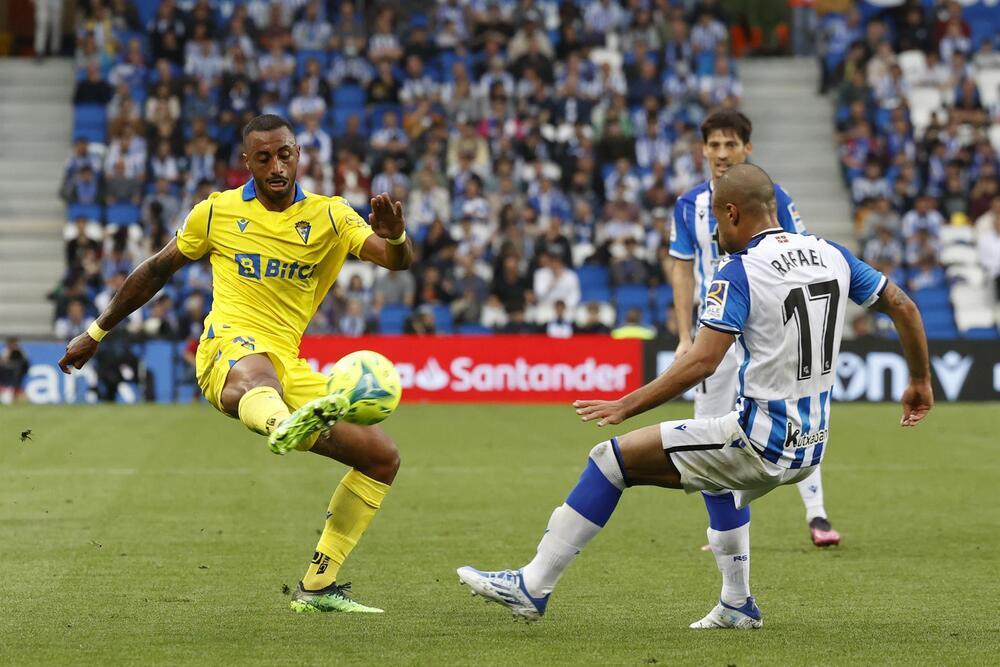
141 285
918 398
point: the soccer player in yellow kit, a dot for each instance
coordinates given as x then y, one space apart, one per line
275 252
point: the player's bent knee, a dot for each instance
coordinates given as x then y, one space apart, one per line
382 457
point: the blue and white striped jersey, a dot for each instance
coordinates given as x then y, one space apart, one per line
784 299
693 235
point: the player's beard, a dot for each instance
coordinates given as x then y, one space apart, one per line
276 195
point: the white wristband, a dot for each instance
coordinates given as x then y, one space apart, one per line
400 240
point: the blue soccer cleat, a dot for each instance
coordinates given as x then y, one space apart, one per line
505 587
723 615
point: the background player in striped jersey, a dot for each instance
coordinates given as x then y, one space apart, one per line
694 247
781 298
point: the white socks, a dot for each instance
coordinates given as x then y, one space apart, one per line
811 490
564 538
574 523
732 554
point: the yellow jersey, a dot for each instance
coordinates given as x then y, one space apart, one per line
271 270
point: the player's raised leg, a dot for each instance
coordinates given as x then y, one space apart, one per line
612 466
374 460
811 490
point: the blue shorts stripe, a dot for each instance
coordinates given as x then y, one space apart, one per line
824 398
805 406
817 454
594 497
778 413
800 454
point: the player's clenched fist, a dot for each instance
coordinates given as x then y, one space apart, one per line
78 352
386 217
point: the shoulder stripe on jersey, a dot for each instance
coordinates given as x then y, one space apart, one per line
777 412
877 294
208 225
332 223
715 326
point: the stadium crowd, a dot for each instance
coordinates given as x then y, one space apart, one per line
537 146
918 121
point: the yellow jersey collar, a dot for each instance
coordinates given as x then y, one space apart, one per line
250 192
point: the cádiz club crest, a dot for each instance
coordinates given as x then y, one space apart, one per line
303 228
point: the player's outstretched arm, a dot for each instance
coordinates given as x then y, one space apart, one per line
388 246
918 398
702 359
682 280
141 285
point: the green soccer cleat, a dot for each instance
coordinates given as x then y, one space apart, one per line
316 415
331 598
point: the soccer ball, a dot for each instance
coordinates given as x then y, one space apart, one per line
371 384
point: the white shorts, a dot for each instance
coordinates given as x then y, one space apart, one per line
715 455
716 395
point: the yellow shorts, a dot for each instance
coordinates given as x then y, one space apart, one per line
221 347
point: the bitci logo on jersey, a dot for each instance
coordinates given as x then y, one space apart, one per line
248 265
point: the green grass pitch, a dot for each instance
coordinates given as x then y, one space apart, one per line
166 534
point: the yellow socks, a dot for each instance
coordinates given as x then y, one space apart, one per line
261 409
352 507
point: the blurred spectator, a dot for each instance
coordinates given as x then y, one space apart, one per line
553 282
560 326
988 242
74 322
421 322
14 365
517 323
633 327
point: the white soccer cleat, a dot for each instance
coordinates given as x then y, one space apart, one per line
746 617
505 587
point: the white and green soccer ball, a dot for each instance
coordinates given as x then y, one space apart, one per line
371 384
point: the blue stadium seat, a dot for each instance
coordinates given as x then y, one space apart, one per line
146 9
632 296
933 298
88 211
473 330
593 275
663 297
392 318
302 57
349 96
595 293
940 324
982 334
123 214
90 121
442 319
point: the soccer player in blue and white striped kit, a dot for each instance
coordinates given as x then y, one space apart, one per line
780 297
694 247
